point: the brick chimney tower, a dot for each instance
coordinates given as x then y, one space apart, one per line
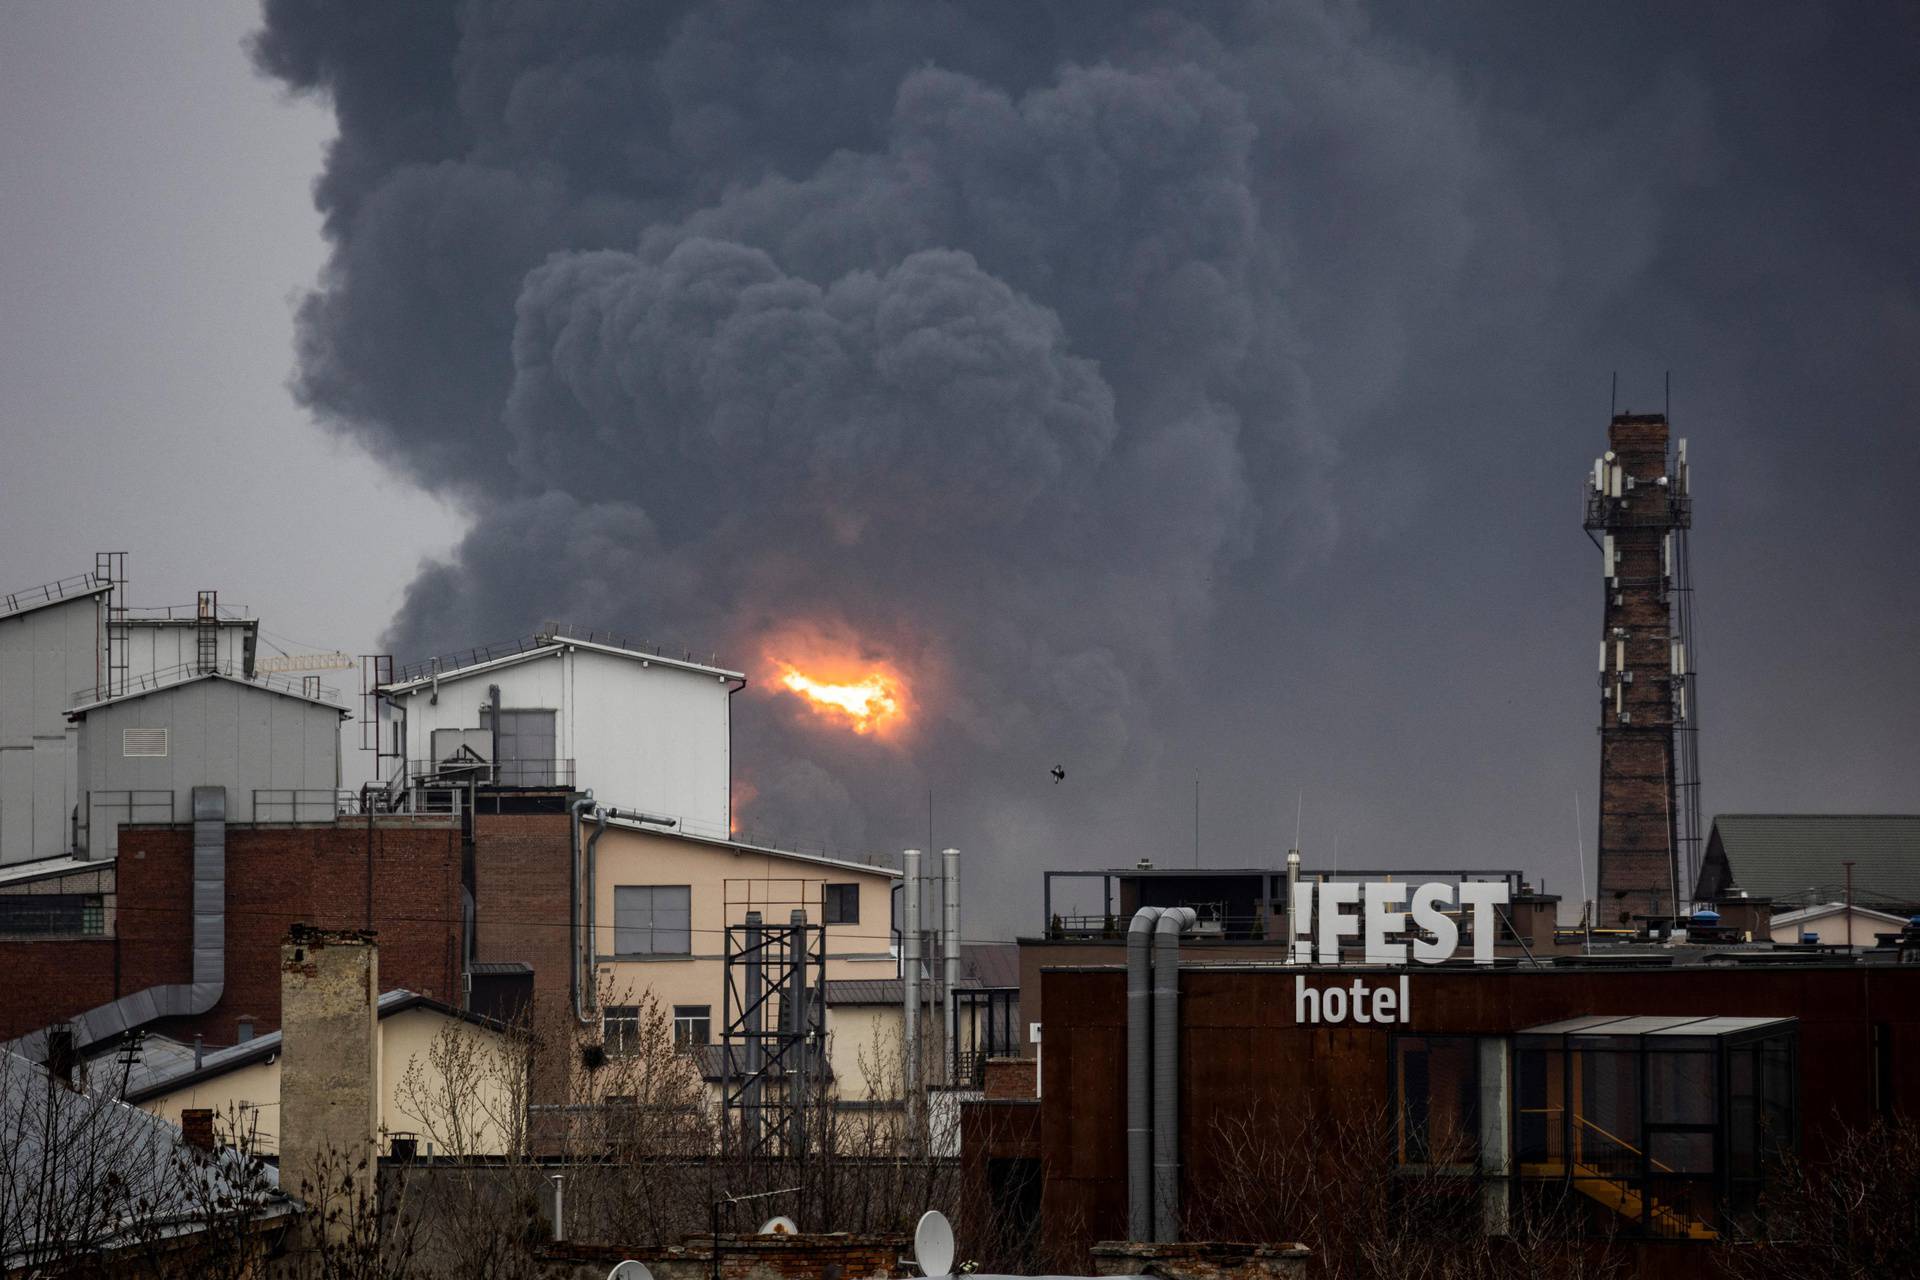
329 1069
1638 511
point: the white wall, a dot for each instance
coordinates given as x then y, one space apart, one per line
1832 928
642 734
156 645
44 656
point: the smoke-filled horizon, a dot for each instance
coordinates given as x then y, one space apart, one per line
1192 397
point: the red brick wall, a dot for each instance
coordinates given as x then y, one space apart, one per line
276 876
1010 1078
522 877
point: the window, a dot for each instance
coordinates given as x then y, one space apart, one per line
843 904
692 1024
620 1029
44 913
143 742
652 920
1437 1081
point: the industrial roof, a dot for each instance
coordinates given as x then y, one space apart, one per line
159 1081
995 964
888 990
259 683
33 600
1798 857
545 646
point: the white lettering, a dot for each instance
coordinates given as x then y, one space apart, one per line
1381 922
1360 1003
1301 951
1427 916
1483 896
1335 924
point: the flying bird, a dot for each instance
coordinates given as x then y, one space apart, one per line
1059 775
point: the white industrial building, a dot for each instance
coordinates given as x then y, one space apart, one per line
637 727
141 754
71 644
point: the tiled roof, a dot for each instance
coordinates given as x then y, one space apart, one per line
1797 858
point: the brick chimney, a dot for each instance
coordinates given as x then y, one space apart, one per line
196 1127
1637 510
329 1067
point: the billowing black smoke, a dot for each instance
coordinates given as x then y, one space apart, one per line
1025 346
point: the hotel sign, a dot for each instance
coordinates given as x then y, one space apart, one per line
1380 914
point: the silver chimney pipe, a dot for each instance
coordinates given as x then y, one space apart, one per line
1293 899
1166 1070
950 946
910 984
1140 1074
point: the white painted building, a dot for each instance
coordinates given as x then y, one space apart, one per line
64 645
1835 924
640 729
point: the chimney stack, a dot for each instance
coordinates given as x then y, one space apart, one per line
196 1128
329 1066
1638 510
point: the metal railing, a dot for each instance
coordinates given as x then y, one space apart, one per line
490 773
298 686
467 658
552 633
78 585
292 806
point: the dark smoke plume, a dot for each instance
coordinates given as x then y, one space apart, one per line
1142 380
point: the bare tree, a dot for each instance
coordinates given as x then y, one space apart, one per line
1851 1214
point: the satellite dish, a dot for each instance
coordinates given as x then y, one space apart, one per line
933 1244
630 1270
780 1226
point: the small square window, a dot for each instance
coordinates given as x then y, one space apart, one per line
843 904
692 1025
652 920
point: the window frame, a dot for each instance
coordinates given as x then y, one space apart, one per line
625 936
828 914
684 1014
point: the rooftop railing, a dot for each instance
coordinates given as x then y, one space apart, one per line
78 585
487 773
298 686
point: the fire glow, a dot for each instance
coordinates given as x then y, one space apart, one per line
873 701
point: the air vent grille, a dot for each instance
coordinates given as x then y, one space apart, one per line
143 742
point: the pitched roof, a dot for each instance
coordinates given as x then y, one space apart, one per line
262 684
1798 857
161 1197
548 643
995 964
159 1081
619 823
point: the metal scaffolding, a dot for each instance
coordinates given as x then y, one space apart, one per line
773 1049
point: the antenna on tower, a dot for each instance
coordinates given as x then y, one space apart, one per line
1613 396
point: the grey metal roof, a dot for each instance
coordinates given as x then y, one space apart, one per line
887 990
1795 858
995 964
1661 1025
159 1080
260 684
65 1216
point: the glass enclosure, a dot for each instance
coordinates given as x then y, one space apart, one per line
1664 1126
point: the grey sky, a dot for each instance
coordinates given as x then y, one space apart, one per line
155 227
1172 395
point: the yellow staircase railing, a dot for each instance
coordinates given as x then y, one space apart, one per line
1597 1185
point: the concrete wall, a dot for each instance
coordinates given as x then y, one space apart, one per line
219 733
45 655
642 734
330 1063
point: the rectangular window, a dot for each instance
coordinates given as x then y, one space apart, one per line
620 1029
43 913
652 920
143 742
692 1024
842 904
1437 1079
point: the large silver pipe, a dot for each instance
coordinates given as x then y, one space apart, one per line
1166 1070
1140 1074
1293 899
950 951
910 981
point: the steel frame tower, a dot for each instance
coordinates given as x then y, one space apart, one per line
773 1048
1639 508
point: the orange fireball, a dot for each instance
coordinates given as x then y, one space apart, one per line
839 680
